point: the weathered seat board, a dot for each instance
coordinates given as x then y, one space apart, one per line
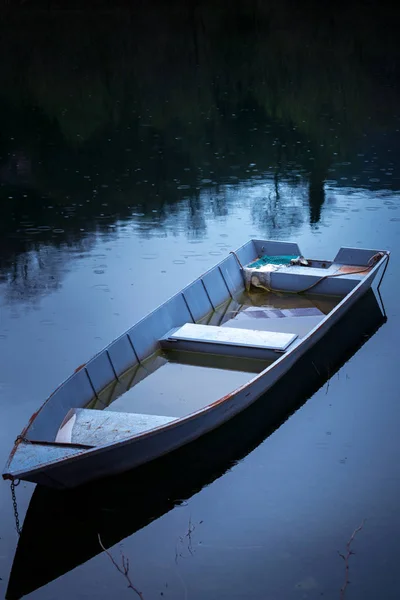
220 338
99 427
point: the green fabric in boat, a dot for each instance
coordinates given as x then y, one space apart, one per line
282 259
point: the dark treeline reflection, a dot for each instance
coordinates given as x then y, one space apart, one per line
105 113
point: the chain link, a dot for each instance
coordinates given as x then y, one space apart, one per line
15 505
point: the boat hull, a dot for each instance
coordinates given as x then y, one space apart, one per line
83 465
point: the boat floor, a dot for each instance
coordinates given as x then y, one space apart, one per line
278 312
177 388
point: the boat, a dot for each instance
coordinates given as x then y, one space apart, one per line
192 364
118 506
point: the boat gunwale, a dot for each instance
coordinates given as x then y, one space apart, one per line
302 343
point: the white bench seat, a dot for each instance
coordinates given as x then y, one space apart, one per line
237 341
99 427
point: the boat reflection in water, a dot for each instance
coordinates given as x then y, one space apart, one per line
119 506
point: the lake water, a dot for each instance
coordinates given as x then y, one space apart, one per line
137 148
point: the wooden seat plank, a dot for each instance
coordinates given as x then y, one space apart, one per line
245 338
99 427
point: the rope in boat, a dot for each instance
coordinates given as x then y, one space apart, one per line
372 261
237 258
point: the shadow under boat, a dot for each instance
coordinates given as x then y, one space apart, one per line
119 506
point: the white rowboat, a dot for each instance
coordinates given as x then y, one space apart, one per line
196 361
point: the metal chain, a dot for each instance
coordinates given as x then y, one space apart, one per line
15 505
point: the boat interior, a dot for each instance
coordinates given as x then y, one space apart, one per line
202 344
172 381
177 381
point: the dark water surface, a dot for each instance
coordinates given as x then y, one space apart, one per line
136 149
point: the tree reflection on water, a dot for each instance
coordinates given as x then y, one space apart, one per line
182 112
